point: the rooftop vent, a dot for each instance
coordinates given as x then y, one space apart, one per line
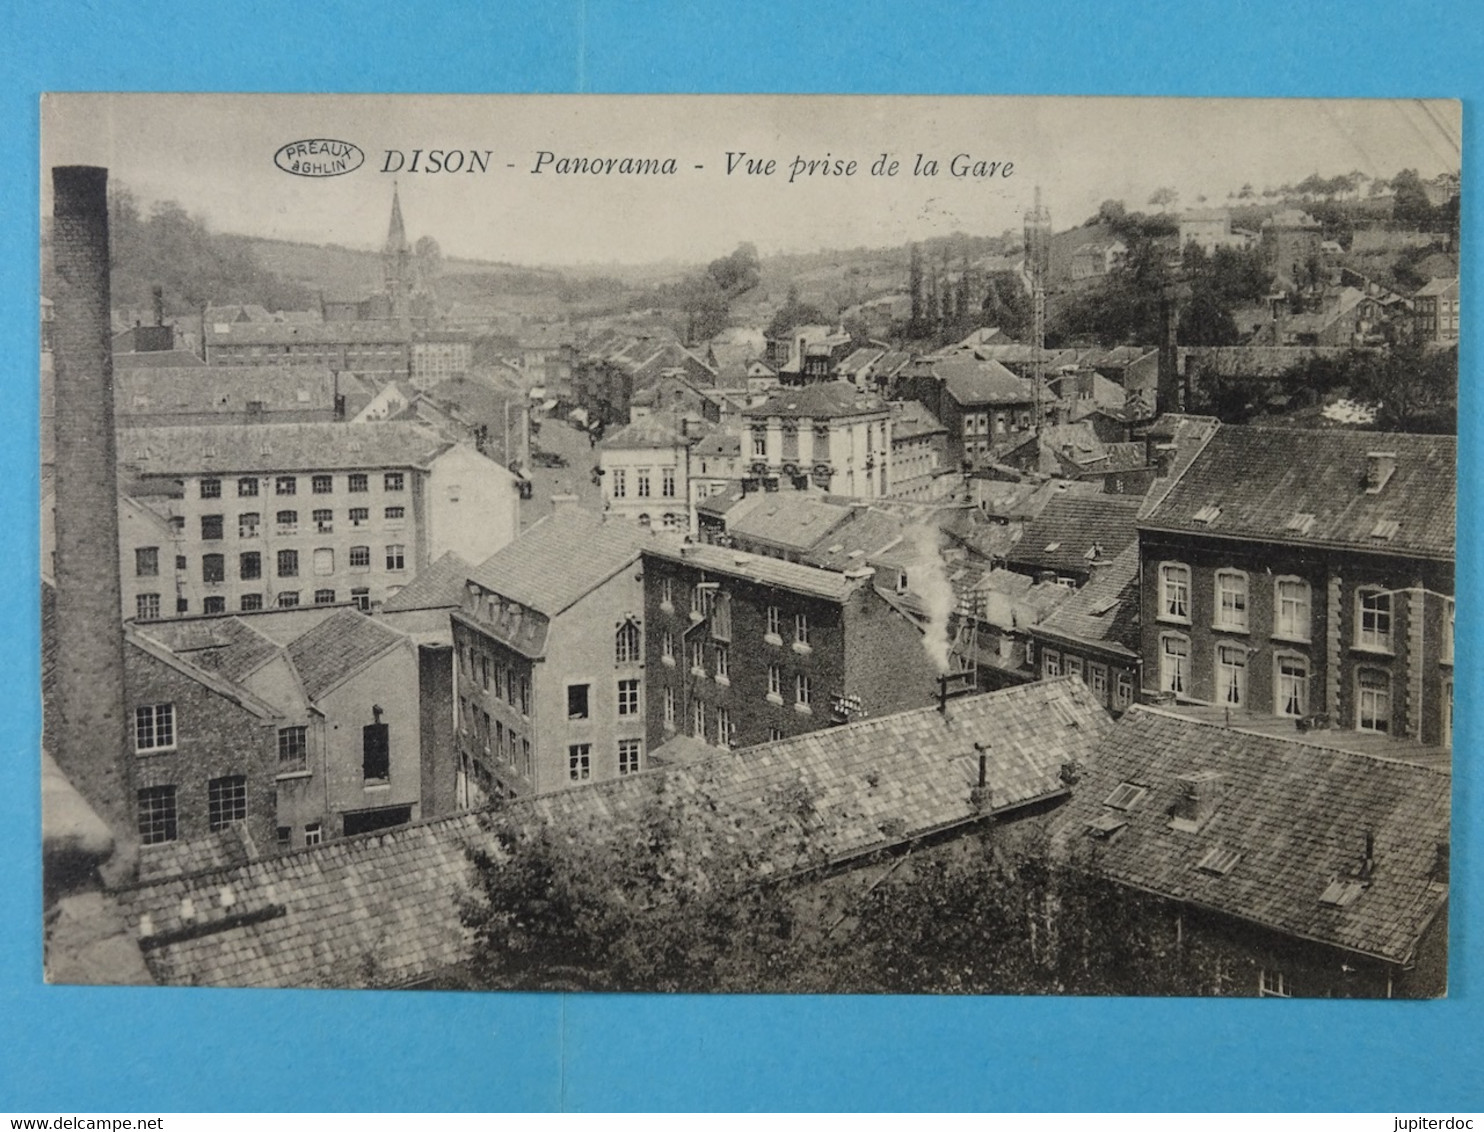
1050 546
1219 861
1208 514
1300 523
1199 793
1105 826
1379 468
1385 529
1341 893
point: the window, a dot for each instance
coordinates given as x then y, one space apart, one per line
698 720
670 707
247 487
211 527
1231 674
775 683
1126 795
1373 700
154 727
293 749
324 597
775 734
641 480
1373 623
626 644
288 563
250 566
1291 687
322 485
312 834
324 561
1231 600
801 629
667 647
156 814
1072 665
1050 663
324 521
180 564
182 605
580 762
628 697
251 603
698 658
361 598
395 559
214 605
1291 609
721 616
393 481
577 706
288 522
1271 984
759 444
147 562
285 836
395 515
726 731
1097 680
247 524
213 567
628 756
524 699
619 482
211 488
1123 691
723 663
288 599
1445 652
226 801
356 482
360 516
667 482
803 691
147 607
1174 591
774 624
360 558
376 751
285 485
1174 663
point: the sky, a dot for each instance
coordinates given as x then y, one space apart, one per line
214 154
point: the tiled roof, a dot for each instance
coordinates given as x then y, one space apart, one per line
1297 815
857 542
439 586
822 399
1064 533
337 648
156 359
227 647
648 432
326 333
911 419
562 558
975 381
1105 612
793 520
319 446
761 568
184 389
383 908
1259 479
1438 286
719 442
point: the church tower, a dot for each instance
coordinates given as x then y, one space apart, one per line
397 270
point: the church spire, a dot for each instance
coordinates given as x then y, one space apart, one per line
396 234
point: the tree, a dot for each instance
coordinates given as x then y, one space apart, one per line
737 272
429 258
794 312
1411 206
1164 198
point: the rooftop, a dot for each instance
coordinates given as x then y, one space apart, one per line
1297 818
761 569
561 559
383 908
339 647
791 520
318 446
979 381
823 399
1072 532
1105 612
649 432
440 586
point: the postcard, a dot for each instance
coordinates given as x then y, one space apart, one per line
749 543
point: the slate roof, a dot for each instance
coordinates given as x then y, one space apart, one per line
648 432
440 586
1063 534
792 520
857 542
339 647
175 390
911 419
321 446
1104 612
1260 478
382 908
1296 813
561 559
719 442
156 359
822 399
761 568
976 381
228 647
326 333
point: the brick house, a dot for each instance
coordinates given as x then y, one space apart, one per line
982 404
1284 868
1435 312
745 649
1306 575
549 648
1094 634
1074 537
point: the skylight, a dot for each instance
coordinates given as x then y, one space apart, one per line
1208 514
1342 893
1126 796
1219 861
1106 825
1050 546
1301 522
1385 529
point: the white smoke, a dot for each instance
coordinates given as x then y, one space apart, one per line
928 579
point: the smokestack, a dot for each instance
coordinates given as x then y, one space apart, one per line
92 735
157 298
1167 393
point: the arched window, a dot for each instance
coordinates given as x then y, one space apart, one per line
626 644
1231 674
1174 663
644 518
1174 591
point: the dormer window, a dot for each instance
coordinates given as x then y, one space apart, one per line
1379 468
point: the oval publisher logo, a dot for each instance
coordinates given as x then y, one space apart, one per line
319 157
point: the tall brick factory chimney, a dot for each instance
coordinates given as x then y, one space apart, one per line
1167 393
92 734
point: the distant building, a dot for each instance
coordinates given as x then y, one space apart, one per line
1099 258
1074 537
550 647
919 447
827 436
1210 229
376 347
1435 312
982 404
1094 635
807 354
1290 241
286 515
645 471
439 355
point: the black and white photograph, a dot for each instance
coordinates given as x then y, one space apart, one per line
749 544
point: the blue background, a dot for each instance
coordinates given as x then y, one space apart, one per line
83 1049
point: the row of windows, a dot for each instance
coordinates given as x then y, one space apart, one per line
250 525
1093 674
802 686
619 483
579 699
502 743
580 759
147 606
479 667
248 486
322 559
158 819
